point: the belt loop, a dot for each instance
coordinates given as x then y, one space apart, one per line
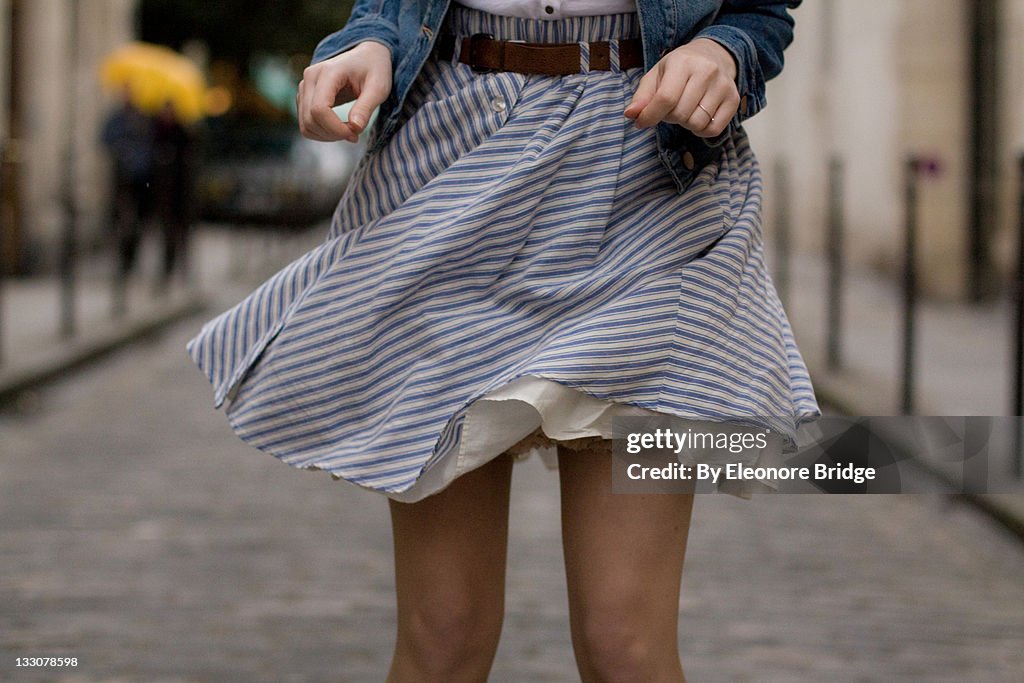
584 57
613 55
457 49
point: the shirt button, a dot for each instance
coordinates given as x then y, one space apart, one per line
688 161
498 104
549 9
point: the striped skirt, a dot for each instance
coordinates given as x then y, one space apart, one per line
515 257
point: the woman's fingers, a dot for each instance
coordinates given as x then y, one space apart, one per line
692 86
670 83
687 112
309 125
315 102
727 108
323 119
374 91
644 91
363 73
713 112
710 114
303 103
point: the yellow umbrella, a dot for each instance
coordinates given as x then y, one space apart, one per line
155 75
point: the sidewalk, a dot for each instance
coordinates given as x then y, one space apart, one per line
32 349
963 364
225 263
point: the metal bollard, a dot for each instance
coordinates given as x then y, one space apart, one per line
909 282
119 292
69 235
4 179
783 229
68 248
2 268
834 314
1018 302
915 168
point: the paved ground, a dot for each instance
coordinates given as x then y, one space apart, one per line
139 535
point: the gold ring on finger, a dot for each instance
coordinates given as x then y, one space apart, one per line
710 115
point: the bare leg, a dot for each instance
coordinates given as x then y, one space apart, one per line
450 556
624 561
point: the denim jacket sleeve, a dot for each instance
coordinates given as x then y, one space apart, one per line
370 20
755 32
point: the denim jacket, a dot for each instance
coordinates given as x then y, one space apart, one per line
755 32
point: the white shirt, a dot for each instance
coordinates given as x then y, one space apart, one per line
551 9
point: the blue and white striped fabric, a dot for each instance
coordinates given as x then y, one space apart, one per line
514 226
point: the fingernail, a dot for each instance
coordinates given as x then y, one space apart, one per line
357 119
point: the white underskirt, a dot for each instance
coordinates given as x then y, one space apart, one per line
512 412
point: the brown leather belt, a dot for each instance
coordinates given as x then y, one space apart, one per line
483 52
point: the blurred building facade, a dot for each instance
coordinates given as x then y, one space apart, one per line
875 80
50 99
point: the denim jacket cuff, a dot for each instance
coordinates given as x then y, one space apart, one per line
749 80
723 136
371 27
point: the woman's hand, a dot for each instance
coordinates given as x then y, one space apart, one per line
362 73
693 85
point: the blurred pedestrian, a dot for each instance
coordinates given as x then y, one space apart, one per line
539 240
128 136
173 184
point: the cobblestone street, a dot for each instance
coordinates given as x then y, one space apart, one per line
140 536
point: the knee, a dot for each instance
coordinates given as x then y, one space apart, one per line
447 639
617 640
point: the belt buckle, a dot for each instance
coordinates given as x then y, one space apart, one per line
471 53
